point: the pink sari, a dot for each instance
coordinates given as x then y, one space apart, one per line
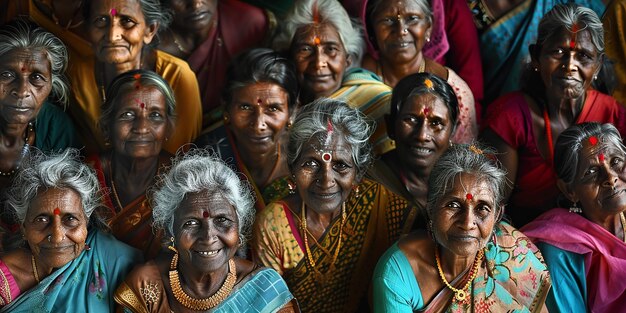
605 255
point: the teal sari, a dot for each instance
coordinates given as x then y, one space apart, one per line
85 284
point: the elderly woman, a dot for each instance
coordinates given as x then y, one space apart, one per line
584 246
65 262
208 34
137 119
424 111
505 30
398 31
259 99
122 34
468 261
522 125
327 48
32 64
207 211
325 239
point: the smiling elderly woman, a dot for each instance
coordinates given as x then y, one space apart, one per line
207 211
469 260
64 265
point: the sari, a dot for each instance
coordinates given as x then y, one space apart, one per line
511 278
143 291
512 34
85 284
131 224
614 22
604 261
535 190
222 143
374 220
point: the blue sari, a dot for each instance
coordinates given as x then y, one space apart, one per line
512 34
85 284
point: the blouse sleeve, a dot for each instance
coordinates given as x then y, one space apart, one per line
395 286
567 270
266 247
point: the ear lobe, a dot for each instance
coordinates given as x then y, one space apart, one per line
567 192
348 61
150 32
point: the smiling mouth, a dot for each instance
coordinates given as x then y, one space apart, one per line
260 139
209 253
614 195
402 44
464 238
421 151
198 16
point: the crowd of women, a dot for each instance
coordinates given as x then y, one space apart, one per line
312 156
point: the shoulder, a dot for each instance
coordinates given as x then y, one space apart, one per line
146 272
171 67
113 250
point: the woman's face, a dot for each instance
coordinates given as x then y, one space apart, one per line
463 219
57 215
321 59
422 130
206 231
140 123
325 172
400 28
567 64
600 183
258 115
118 30
25 83
193 15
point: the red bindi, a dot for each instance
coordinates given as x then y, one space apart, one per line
142 105
469 196
326 157
601 157
56 211
426 110
23 69
317 41
205 214
113 12
572 40
593 140
137 76
259 101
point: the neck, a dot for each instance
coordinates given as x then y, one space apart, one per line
393 72
134 171
262 166
12 134
318 222
565 110
201 285
453 265
610 222
108 71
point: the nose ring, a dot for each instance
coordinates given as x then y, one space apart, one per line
49 238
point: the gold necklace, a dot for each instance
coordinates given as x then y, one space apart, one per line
319 277
460 294
32 259
178 45
201 304
117 198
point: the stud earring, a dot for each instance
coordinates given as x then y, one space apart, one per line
291 185
226 119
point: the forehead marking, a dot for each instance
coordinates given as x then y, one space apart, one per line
205 214
113 12
56 211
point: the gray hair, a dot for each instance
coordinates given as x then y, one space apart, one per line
329 11
565 16
351 123
61 171
198 171
22 34
474 159
124 83
570 142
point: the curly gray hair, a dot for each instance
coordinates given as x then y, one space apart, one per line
63 170
351 123
329 11
474 159
22 34
196 171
